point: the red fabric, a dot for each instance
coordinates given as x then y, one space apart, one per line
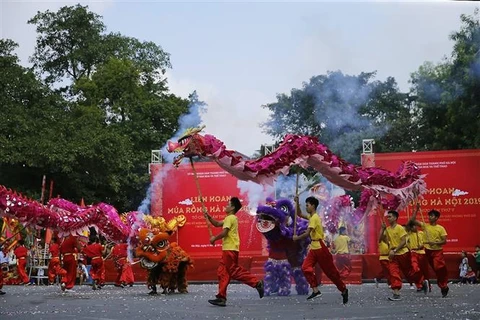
343 264
120 250
97 272
229 269
55 269
54 250
324 258
70 266
69 245
437 262
20 252
22 273
420 263
384 273
403 263
93 250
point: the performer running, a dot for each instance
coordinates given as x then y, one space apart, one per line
69 248
318 251
342 253
396 237
415 243
94 252
122 265
54 268
21 252
229 268
436 238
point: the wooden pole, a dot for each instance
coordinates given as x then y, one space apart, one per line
296 205
201 198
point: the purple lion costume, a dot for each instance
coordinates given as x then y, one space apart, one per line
275 221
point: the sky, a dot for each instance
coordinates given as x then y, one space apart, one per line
239 55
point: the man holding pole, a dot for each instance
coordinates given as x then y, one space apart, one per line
436 238
229 268
318 252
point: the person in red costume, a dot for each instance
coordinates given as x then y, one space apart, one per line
122 265
94 252
69 249
21 252
54 267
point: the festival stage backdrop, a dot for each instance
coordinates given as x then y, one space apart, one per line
453 189
179 195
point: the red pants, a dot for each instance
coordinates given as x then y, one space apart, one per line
403 263
55 269
124 272
420 262
384 273
22 273
97 272
324 258
70 266
229 269
437 262
344 265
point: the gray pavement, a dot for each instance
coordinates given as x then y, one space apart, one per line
366 302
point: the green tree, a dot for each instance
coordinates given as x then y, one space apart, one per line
341 110
447 94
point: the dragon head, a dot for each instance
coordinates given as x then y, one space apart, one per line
188 145
153 248
275 218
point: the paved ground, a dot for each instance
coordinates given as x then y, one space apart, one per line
366 302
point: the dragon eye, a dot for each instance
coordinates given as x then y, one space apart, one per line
162 244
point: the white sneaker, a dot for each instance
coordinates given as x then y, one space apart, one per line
376 282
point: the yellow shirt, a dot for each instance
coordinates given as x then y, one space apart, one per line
415 240
317 233
341 244
383 250
231 241
434 233
394 237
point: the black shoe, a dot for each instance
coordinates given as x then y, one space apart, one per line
153 293
345 296
445 292
260 288
218 302
2 293
395 297
314 294
425 286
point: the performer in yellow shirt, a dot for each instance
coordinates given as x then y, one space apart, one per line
318 252
415 241
396 237
383 250
436 238
229 268
342 254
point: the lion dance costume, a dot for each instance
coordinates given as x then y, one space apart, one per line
275 221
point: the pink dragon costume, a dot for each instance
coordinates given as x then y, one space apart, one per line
275 221
378 186
166 262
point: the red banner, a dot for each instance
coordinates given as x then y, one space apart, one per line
453 189
179 195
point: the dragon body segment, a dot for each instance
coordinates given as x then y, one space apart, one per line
402 186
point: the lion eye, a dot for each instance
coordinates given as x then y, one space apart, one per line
284 208
162 244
